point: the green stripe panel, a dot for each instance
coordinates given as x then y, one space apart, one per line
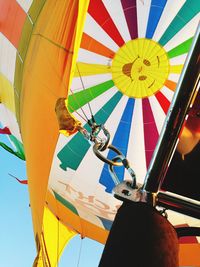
65 203
180 49
36 9
73 153
18 145
33 12
185 14
29 24
81 98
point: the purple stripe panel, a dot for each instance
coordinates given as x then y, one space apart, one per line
150 130
130 12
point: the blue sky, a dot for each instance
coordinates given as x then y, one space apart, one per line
17 244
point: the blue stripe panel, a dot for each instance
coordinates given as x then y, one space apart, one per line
120 141
155 13
106 223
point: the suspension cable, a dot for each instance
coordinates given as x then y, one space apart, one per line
80 251
84 89
73 95
75 111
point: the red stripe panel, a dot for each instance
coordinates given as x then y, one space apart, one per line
150 130
12 18
22 181
99 13
130 12
188 240
163 101
5 130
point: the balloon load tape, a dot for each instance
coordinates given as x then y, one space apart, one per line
68 124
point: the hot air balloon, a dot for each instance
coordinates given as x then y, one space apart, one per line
117 64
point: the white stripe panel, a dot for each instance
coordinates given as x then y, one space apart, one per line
88 215
143 8
8 119
25 4
108 199
81 203
192 221
117 14
171 9
136 148
185 33
174 77
8 58
89 57
178 60
177 218
94 30
167 93
88 81
158 113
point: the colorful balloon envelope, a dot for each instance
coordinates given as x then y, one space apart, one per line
116 61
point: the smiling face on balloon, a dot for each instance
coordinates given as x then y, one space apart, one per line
140 68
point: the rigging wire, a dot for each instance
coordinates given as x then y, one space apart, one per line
42 244
73 95
58 232
79 105
45 251
58 239
80 251
84 89
85 119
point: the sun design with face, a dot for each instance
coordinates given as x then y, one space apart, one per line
140 68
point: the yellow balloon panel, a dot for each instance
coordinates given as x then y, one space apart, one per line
140 68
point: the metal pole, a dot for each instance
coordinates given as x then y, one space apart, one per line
179 204
179 107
